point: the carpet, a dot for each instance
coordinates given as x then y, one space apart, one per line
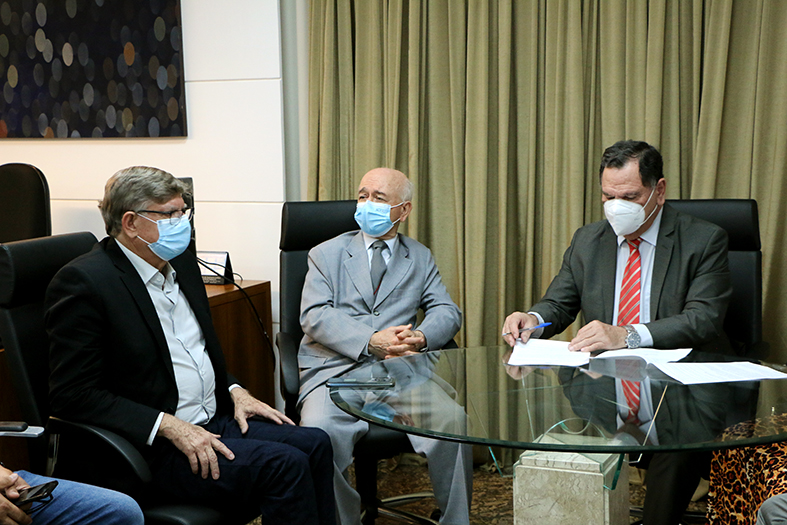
492 492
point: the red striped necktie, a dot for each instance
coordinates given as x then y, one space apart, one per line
628 313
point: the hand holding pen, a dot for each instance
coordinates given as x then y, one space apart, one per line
532 328
517 323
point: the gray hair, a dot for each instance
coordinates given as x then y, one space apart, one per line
133 189
406 190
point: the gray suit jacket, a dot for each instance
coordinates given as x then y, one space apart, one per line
690 287
339 311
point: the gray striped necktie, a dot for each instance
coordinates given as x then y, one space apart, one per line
378 264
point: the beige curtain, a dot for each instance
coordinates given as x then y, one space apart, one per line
499 111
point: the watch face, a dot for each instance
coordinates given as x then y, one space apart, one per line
632 339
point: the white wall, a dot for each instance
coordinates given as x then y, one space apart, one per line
234 149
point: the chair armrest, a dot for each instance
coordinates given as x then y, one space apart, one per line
117 443
290 373
19 429
288 361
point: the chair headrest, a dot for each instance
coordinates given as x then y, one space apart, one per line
307 224
24 203
739 217
27 267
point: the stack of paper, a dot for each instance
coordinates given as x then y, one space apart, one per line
545 352
541 352
699 373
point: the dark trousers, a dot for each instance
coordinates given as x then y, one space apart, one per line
672 478
283 472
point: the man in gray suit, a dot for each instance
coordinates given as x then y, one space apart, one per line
648 276
359 304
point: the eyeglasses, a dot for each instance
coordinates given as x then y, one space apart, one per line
174 216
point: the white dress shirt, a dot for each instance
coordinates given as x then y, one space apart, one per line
647 253
193 369
368 240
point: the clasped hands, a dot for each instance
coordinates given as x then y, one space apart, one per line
200 446
593 336
10 483
396 341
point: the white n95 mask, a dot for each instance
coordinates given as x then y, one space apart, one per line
626 217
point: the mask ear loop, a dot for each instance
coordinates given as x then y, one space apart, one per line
654 209
397 220
147 219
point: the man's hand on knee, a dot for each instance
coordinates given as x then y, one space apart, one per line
247 406
198 444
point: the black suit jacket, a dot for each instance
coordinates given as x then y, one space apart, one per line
109 361
690 288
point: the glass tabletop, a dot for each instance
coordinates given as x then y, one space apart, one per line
470 395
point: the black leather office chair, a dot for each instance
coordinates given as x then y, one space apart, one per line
740 218
303 226
24 203
68 450
743 322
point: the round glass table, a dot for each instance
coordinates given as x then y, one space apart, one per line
470 395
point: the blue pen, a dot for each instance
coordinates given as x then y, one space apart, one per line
542 325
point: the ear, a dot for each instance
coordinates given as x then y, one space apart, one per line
661 191
128 224
407 207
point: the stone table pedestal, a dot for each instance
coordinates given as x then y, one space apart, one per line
565 487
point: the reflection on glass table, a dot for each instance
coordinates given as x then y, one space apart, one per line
471 395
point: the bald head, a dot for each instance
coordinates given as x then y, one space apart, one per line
388 186
393 183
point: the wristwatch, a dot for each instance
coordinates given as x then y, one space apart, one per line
633 340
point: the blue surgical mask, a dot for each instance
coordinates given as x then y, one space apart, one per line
374 218
173 239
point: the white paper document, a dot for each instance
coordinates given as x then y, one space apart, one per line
545 352
700 373
650 355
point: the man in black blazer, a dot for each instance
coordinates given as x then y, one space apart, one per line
133 350
682 287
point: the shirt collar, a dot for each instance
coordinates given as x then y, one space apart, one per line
145 270
652 233
392 243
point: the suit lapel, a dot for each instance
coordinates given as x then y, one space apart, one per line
609 261
664 248
398 267
356 263
138 292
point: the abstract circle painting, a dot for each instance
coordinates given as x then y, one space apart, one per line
91 68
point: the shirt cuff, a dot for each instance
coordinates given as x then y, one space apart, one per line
536 334
645 339
234 386
153 432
